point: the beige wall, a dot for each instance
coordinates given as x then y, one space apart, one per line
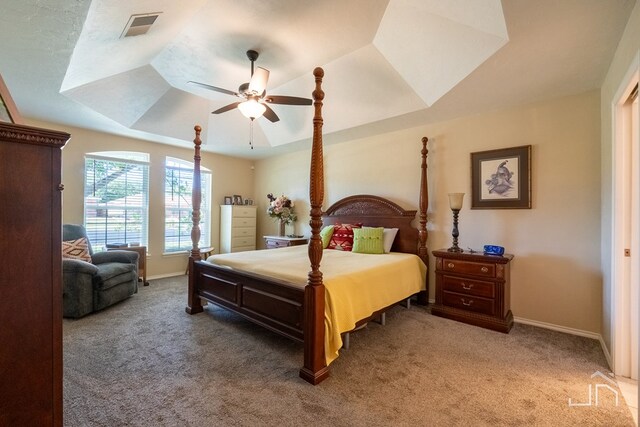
556 274
628 52
229 176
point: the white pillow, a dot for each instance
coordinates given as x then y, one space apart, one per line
388 236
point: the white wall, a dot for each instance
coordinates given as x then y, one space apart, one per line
556 274
628 49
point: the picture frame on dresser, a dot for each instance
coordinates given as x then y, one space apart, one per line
237 199
501 179
8 110
228 200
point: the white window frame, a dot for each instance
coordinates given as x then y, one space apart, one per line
180 202
103 228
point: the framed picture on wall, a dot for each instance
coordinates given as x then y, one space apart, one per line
8 110
501 179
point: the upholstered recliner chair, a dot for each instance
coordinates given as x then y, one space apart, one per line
110 277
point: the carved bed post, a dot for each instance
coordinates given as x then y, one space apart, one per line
423 252
315 367
194 304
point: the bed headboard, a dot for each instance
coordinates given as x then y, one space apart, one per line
375 211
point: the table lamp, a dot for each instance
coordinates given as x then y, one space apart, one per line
455 203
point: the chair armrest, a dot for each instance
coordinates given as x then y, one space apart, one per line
78 266
77 287
127 257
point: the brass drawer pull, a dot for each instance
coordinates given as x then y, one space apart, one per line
465 303
450 265
484 269
467 287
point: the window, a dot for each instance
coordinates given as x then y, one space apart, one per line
178 209
116 197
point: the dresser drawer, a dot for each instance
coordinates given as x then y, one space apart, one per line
243 248
468 287
242 212
469 267
469 303
244 221
243 241
243 232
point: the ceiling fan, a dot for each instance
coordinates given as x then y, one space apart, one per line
254 95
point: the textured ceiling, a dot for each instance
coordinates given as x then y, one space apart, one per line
388 64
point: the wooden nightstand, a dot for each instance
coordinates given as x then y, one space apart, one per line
142 260
274 242
474 288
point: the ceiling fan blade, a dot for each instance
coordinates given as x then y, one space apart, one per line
214 88
287 100
270 114
259 79
226 108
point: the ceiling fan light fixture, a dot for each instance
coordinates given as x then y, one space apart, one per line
251 109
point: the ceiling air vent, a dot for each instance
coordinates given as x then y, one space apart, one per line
139 24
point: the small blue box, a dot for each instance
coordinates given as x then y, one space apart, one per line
493 250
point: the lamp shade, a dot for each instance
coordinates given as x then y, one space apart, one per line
251 109
455 200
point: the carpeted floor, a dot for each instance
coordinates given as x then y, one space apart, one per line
145 362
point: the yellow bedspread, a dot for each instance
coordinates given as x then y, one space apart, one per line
356 285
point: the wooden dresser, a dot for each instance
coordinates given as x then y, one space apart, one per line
474 288
274 242
30 276
237 228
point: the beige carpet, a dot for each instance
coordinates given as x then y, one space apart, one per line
146 362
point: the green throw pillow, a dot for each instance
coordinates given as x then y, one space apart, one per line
326 234
368 240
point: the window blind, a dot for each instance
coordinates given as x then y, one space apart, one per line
178 206
116 198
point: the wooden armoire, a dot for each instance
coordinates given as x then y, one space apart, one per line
30 276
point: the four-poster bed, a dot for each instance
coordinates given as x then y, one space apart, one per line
298 312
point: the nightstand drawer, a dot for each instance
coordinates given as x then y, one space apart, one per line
468 303
273 243
469 287
469 267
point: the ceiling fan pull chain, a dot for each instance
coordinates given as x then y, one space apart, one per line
251 133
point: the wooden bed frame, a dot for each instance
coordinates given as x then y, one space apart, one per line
280 306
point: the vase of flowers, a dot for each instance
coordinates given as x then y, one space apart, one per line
281 209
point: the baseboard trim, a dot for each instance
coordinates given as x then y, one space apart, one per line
567 330
605 350
164 276
559 328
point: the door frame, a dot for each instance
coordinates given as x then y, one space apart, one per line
623 269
